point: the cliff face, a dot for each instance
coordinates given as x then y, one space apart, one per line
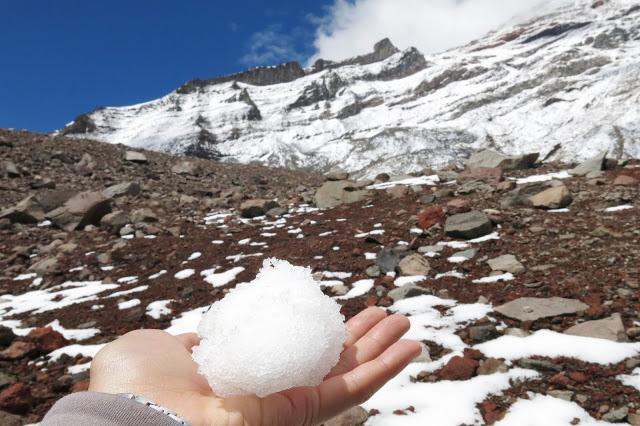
565 84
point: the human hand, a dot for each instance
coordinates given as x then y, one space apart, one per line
158 366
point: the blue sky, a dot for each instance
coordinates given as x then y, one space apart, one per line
64 57
60 58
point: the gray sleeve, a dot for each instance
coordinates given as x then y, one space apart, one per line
101 409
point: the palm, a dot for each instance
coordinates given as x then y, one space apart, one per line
159 367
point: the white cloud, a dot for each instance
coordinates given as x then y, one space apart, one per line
351 27
270 46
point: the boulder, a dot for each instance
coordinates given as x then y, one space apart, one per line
492 175
594 164
143 215
45 266
11 170
257 207
610 328
46 339
135 157
492 159
336 174
26 211
114 221
16 398
414 264
387 260
85 208
556 197
124 189
534 308
186 168
431 216
469 225
52 199
335 193
506 263
86 165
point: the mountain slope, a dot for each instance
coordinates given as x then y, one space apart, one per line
566 84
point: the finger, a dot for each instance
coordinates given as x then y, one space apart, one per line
372 344
189 340
363 322
353 388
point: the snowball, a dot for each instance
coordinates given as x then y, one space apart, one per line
277 332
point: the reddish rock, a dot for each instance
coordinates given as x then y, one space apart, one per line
81 386
492 175
458 205
431 216
490 412
578 376
560 379
18 349
473 354
624 180
459 368
16 398
46 339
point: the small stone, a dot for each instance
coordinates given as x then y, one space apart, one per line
11 170
46 339
469 225
336 174
258 207
114 221
482 333
408 291
387 260
372 271
414 264
186 168
431 216
424 354
48 265
459 368
398 191
143 215
125 189
610 328
506 263
561 394
492 366
616 414
354 416
135 157
556 197
538 364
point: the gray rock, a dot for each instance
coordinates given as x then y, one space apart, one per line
469 225
373 271
114 221
492 366
276 212
257 207
482 333
354 416
86 165
124 189
506 263
52 199
334 193
414 264
539 364
424 356
336 174
135 157
6 379
387 260
466 254
594 164
85 208
491 159
185 168
519 197
26 211
11 170
45 266
143 215
408 291
616 414
556 197
610 328
447 175
534 308
566 395
430 249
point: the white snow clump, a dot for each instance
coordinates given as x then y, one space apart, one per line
276 332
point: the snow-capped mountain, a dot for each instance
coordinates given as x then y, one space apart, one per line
566 84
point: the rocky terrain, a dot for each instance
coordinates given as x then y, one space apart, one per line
564 84
520 278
